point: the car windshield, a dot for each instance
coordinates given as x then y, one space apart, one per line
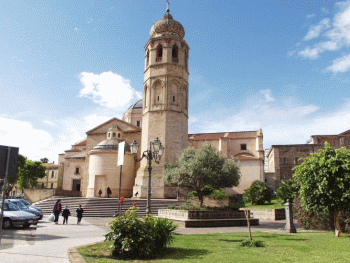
11 207
25 202
19 204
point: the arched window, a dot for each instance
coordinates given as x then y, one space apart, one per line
146 97
147 58
114 134
159 53
175 52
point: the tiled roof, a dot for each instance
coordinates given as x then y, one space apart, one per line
216 136
82 143
73 150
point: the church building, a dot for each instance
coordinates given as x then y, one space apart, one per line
91 164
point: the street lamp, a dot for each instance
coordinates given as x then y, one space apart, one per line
155 152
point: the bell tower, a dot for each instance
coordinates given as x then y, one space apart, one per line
165 100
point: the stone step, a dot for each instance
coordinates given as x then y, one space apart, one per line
105 207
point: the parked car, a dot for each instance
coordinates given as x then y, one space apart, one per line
25 202
25 208
14 216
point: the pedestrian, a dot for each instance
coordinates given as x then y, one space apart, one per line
99 193
65 214
109 192
80 212
57 210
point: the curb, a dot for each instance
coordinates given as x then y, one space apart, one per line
74 255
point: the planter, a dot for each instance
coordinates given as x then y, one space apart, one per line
194 218
269 214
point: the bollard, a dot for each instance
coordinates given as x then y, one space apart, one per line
289 217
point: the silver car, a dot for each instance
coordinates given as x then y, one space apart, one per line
30 205
14 216
22 206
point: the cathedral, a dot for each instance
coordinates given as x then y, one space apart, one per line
91 164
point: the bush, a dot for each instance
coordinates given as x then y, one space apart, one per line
252 243
319 220
207 190
218 195
192 194
258 193
288 190
135 238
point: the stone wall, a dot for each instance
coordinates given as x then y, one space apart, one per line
268 214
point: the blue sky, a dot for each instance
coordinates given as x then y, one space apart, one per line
68 66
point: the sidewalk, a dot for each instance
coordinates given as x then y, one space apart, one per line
47 242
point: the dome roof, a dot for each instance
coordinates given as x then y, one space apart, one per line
107 145
137 105
167 25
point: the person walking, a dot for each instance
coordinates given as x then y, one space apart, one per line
80 212
65 214
109 192
99 193
57 210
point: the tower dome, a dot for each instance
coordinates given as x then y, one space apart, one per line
167 25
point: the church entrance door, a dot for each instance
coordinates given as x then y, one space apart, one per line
76 184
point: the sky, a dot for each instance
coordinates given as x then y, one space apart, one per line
68 66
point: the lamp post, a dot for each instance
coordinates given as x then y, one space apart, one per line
155 152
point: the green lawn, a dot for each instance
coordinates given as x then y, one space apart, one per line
225 247
275 204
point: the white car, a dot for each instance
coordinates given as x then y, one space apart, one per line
14 216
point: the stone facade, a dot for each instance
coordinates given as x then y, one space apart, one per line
246 147
91 164
281 159
53 178
165 99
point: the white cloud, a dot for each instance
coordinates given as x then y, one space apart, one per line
341 64
335 37
286 120
316 30
32 142
310 16
48 122
312 53
108 89
268 94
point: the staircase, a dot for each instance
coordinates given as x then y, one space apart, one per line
105 207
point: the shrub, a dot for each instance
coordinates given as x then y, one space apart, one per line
288 190
192 194
258 193
252 243
319 220
218 195
136 238
207 190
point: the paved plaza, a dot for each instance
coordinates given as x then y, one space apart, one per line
49 242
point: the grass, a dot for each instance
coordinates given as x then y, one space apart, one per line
225 247
275 204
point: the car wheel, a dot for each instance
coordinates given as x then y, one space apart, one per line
6 223
26 225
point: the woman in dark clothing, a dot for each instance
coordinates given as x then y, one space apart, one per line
57 210
109 192
80 212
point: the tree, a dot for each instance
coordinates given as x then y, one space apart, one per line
205 166
324 180
44 160
258 193
288 189
29 174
